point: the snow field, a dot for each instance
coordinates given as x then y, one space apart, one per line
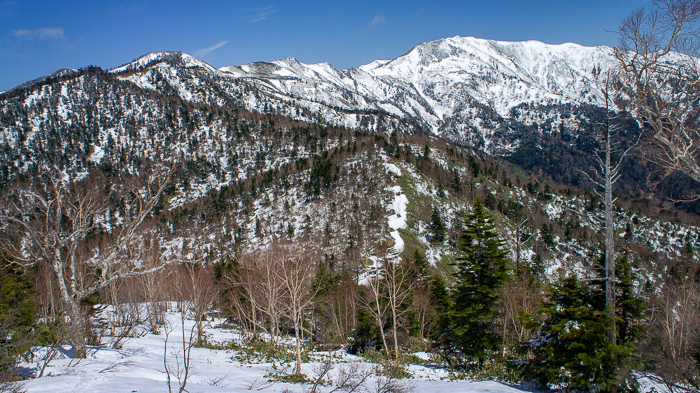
139 367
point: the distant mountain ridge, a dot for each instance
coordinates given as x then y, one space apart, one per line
536 105
450 87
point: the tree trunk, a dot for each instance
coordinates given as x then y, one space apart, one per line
77 333
396 341
609 241
297 330
77 327
381 330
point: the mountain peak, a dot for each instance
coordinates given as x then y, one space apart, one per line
173 58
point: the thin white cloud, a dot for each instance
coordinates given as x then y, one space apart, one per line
205 51
378 19
261 14
55 33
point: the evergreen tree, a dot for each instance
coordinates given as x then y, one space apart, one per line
426 152
482 268
572 349
440 189
547 236
419 266
440 299
456 184
474 167
307 225
17 318
437 228
258 229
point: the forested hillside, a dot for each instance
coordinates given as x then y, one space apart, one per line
120 197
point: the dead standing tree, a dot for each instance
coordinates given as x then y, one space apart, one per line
609 159
58 223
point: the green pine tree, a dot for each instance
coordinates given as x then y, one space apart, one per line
440 189
456 184
437 228
440 299
426 152
420 266
17 318
482 268
547 236
572 349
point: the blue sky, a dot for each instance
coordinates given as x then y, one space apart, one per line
38 37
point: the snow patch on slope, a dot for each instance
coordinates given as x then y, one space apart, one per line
398 220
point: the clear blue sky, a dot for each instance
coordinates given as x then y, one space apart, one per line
38 37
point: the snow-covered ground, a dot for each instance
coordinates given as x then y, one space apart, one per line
139 367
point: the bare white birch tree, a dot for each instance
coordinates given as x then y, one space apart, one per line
398 292
57 222
373 301
658 57
296 272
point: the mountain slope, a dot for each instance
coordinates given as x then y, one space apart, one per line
245 180
462 88
535 104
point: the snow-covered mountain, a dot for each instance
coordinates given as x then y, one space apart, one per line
248 174
465 89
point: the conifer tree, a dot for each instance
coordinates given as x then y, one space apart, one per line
482 268
420 265
440 299
456 184
426 152
17 318
437 228
572 349
440 189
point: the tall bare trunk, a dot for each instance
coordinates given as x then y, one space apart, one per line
396 340
380 323
609 240
297 333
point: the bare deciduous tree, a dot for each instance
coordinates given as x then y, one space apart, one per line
398 292
522 296
674 331
657 54
388 293
58 223
337 307
373 301
245 295
153 289
202 294
272 290
181 366
296 272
